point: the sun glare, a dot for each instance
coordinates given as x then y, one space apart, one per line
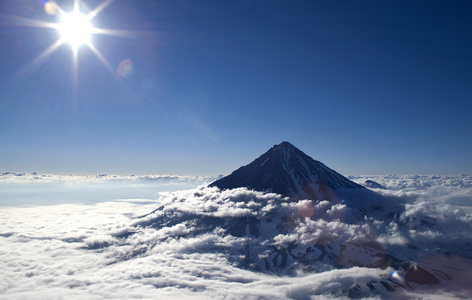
75 29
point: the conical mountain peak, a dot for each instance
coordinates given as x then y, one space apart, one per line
284 144
286 170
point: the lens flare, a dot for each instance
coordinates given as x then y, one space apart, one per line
125 69
51 8
396 276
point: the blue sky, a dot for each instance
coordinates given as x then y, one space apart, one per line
366 87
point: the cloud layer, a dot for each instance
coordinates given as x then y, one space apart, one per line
39 189
14 177
189 244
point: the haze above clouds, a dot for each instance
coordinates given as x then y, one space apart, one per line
34 189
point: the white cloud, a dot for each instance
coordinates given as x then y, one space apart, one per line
77 251
13 177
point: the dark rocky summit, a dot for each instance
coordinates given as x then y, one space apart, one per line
286 170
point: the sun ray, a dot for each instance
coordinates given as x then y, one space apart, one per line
98 9
102 59
74 28
75 79
25 22
32 66
46 53
130 34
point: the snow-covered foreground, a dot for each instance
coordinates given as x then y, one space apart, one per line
236 244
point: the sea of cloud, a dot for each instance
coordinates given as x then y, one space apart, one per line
39 189
156 247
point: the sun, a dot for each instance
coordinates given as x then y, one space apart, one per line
75 29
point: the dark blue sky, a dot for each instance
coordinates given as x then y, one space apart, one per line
367 87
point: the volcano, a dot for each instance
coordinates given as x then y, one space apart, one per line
286 170
294 231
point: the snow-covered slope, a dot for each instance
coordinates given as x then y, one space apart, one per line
287 171
263 232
